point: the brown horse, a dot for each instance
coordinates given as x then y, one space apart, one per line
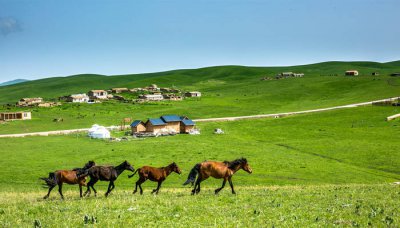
154 174
105 173
217 170
66 176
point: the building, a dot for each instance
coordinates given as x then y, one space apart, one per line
77 98
193 94
119 90
24 102
186 125
15 116
138 126
172 97
375 74
98 94
155 125
351 73
173 123
151 97
49 104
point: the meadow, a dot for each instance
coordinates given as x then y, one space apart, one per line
227 91
321 169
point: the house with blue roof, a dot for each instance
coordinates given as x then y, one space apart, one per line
166 123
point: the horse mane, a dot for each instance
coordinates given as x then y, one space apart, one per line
233 164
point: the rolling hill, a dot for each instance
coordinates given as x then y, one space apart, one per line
13 82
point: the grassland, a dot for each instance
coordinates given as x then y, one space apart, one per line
227 91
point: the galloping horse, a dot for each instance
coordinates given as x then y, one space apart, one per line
66 176
105 173
154 174
217 170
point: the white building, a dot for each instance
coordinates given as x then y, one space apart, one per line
78 98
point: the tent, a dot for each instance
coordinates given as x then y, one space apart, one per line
99 132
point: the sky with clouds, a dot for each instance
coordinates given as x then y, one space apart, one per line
46 38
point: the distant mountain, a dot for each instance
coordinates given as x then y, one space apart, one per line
16 81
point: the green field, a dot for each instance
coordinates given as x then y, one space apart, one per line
227 91
334 168
325 169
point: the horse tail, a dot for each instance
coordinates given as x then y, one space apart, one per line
51 181
130 176
192 175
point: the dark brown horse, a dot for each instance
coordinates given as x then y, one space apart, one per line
66 176
105 173
217 170
154 174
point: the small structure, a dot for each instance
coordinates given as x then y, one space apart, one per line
172 122
218 131
24 102
395 74
187 126
98 94
119 90
49 104
193 94
77 98
351 73
375 73
138 126
155 125
172 97
99 132
152 87
5 116
151 97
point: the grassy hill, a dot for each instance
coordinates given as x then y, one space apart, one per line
227 91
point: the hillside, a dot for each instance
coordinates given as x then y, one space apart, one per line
13 82
227 91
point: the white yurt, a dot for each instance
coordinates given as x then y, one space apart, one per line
99 132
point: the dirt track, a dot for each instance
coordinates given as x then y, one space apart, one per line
276 115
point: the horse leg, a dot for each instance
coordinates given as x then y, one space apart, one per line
60 190
139 183
231 184
223 185
109 188
48 193
80 190
158 188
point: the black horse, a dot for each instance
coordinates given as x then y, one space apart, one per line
105 173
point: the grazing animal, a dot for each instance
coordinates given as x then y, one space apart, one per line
66 176
217 170
154 174
105 173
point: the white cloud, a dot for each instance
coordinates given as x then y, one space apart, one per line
9 25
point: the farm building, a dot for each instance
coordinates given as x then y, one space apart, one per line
49 104
164 124
29 101
395 74
351 73
375 74
77 98
152 87
15 116
155 126
151 97
186 125
138 126
193 94
119 90
172 97
98 94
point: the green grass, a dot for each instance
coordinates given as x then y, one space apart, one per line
227 91
294 206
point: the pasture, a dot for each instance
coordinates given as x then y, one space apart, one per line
321 169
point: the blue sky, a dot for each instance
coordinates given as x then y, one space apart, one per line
46 38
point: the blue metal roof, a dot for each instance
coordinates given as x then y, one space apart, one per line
171 118
135 123
157 121
188 122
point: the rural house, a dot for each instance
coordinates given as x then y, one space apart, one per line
152 87
155 126
375 74
151 97
29 101
138 126
172 122
351 73
119 90
164 124
186 125
193 94
77 98
98 94
15 116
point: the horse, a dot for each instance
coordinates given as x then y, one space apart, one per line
66 176
218 170
105 173
154 174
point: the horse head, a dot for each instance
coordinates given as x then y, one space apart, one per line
89 164
245 166
175 168
128 166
